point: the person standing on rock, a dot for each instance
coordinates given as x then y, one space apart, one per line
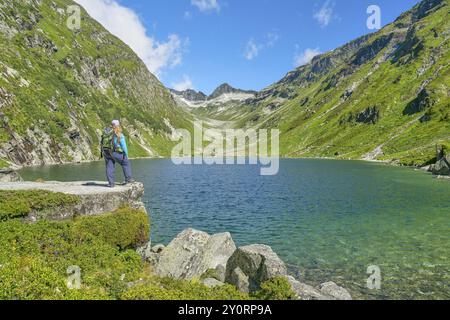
114 149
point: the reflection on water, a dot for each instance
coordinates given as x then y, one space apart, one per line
331 219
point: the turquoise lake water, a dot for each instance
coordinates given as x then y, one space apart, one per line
329 220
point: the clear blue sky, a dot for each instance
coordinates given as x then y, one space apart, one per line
216 34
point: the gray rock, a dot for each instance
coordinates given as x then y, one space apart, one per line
306 292
95 197
258 262
212 283
442 167
221 273
333 290
239 280
192 253
145 251
158 248
9 175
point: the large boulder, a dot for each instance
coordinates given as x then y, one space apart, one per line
257 262
192 253
442 167
239 279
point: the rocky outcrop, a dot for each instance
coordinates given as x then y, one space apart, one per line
368 116
258 263
95 197
9 175
192 253
216 261
191 95
422 102
442 167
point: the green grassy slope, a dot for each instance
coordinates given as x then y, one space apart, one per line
59 87
384 96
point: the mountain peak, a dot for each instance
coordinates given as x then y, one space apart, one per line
191 95
226 88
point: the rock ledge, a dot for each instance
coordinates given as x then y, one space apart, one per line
96 197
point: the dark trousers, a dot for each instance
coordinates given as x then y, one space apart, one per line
110 159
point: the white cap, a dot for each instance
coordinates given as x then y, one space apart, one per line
115 123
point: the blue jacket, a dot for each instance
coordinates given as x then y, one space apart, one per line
123 144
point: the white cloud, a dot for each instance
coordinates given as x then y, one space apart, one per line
206 5
252 50
325 13
125 24
184 84
272 39
306 56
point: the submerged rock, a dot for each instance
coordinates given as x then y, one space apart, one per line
257 262
326 291
333 290
192 253
304 291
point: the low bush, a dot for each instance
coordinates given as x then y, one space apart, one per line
125 228
276 289
19 204
169 289
34 258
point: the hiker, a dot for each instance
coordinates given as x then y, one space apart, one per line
114 149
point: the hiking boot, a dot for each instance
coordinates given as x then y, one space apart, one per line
130 181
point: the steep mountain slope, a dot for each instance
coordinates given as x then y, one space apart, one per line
384 96
59 88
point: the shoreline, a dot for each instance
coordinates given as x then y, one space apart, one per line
18 168
386 162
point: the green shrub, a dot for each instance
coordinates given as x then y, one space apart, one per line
211 274
34 257
3 164
125 228
169 289
276 289
19 204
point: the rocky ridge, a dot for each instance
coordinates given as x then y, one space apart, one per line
221 95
